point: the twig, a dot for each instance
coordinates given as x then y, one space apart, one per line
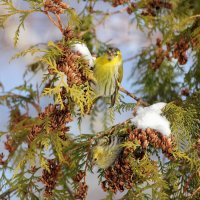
113 129
187 184
7 192
133 96
35 105
59 22
129 59
69 191
108 13
51 19
195 192
194 16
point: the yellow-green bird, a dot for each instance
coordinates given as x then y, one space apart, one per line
108 72
106 152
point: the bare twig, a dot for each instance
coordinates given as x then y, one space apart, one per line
129 59
109 13
194 16
59 22
52 20
195 192
133 96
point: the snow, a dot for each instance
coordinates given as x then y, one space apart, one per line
84 51
150 117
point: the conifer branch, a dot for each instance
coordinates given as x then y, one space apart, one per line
59 22
134 170
195 16
133 96
129 59
108 13
195 193
53 21
34 104
187 184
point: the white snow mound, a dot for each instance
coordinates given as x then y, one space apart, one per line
150 117
84 51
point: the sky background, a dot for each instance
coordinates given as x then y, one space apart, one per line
117 30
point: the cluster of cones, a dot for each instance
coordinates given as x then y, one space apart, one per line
70 64
120 175
180 49
82 189
57 121
130 9
176 51
49 177
9 146
154 138
160 54
2 162
154 6
116 3
55 6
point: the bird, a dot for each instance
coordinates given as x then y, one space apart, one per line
106 151
108 72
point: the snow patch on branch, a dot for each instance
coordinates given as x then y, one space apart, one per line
150 117
84 51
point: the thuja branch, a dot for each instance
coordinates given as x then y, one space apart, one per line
26 99
133 96
195 16
195 193
52 20
187 183
56 8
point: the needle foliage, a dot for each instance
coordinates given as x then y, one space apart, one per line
40 156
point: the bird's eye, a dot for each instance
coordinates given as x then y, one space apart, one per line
95 159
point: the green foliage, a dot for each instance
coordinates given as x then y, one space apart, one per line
156 85
180 22
28 151
12 10
186 126
19 97
192 77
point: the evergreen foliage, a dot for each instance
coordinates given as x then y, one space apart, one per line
47 161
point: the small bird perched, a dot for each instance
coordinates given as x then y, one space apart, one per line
105 152
108 71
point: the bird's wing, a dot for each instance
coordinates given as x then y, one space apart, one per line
118 80
114 95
